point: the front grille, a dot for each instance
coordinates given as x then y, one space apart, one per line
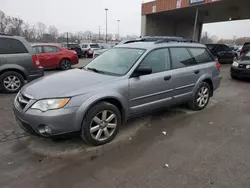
244 66
22 100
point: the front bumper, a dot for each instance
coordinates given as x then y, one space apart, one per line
61 121
240 73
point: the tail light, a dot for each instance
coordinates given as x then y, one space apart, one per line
36 61
218 64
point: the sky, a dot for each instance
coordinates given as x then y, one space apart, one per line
82 15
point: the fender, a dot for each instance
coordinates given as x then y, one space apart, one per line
82 110
12 67
200 80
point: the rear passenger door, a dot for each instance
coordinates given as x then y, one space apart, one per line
51 56
185 73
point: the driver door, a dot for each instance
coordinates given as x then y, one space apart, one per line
155 90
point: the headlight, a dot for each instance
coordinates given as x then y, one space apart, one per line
235 64
50 104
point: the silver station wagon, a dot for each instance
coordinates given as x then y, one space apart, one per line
125 81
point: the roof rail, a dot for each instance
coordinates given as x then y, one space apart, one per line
1 33
175 40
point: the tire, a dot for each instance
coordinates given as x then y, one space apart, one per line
94 119
195 104
65 64
86 55
11 82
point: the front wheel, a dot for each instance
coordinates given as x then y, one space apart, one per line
101 124
201 97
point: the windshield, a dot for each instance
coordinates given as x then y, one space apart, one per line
116 61
94 46
245 57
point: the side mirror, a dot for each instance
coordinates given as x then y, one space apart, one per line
142 71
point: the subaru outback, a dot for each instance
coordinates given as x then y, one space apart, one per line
125 81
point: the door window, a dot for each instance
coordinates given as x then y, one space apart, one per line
11 46
201 55
181 58
50 49
38 49
157 60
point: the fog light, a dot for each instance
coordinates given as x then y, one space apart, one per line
44 130
47 129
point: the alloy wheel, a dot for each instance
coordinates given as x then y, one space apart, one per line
12 83
103 125
203 96
65 64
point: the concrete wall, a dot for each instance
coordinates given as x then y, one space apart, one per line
155 26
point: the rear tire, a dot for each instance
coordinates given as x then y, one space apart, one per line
201 97
11 82
101 124
65 64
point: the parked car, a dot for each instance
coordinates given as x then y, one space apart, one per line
241 67
53 56
238 51
103 48
245 48
73 46
125 81
18 63
89 49
222 52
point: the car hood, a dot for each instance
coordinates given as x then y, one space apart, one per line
66 84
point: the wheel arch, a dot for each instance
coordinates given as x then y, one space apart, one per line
21 72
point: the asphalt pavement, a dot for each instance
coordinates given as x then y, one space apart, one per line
172 148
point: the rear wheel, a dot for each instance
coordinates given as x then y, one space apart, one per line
101 124
65 64
11 82
86 55
201 97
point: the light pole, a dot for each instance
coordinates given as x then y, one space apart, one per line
118 36
106 24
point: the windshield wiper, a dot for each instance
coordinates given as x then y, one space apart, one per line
95 70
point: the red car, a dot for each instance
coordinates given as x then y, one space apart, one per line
53 56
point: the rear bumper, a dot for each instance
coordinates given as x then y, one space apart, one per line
217 82
240 73
34 74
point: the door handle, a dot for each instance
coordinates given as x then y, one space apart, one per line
166 78
196 71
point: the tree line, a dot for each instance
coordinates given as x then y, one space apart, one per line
207 39
40 32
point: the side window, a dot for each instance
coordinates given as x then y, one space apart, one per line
38 49
181 58
157 60
222 48
50 49
11 46
201 55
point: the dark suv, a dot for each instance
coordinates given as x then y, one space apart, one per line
245 48
222 52
18 63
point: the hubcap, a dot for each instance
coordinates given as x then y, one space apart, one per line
103 125
203 97
12 83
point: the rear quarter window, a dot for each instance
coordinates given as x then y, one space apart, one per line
201 55
11 46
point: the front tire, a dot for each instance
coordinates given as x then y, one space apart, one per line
201 97
11 82
101 124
